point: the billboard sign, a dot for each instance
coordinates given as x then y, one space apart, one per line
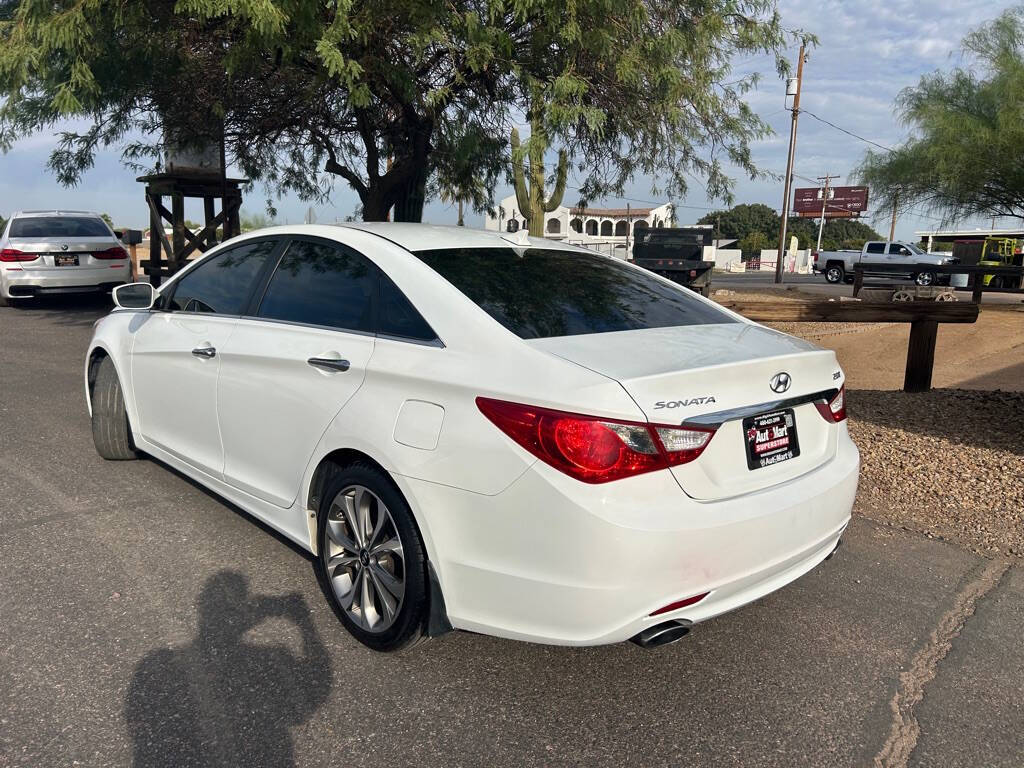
843 202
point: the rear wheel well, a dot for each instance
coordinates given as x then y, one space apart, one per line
835 263
329 466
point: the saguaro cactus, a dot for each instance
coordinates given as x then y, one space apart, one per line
531 198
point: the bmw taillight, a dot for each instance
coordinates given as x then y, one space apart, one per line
835 409
117 252
593 449
12 254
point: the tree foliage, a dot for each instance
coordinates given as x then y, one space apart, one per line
741 221
390 94
966 157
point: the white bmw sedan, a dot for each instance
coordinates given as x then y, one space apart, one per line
485 432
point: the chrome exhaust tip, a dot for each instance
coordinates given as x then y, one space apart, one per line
662 634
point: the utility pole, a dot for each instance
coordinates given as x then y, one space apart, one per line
629 228
824 202
895 205
789 165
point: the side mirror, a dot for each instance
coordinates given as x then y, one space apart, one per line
135 296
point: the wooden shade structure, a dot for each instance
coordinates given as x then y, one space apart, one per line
168 256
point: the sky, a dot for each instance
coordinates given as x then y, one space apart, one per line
869 50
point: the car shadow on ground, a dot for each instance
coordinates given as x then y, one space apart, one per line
80 310
229 697
987 419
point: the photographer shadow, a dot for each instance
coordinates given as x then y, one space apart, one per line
224 699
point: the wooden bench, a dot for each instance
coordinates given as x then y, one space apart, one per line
924 318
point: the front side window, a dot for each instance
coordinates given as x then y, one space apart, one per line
539 293
899 250
58 226
224 283
326 284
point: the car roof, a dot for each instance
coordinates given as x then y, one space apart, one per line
428 237
31 214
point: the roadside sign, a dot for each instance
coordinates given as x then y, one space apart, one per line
843 202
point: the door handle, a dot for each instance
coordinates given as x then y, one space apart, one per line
329 363
204 352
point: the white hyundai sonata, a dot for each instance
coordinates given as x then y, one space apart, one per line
485 432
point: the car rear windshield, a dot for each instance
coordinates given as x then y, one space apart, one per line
64 227
539 293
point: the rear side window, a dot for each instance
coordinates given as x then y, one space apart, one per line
545 293
58 226
876 248
223 284
398 317
320 283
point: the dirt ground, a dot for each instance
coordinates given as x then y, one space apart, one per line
948 463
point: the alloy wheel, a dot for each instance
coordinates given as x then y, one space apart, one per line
365 561
834 275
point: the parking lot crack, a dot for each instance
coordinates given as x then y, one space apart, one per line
906 730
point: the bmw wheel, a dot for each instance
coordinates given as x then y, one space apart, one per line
372 562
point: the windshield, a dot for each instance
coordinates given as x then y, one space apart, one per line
65 227
544 293
914 249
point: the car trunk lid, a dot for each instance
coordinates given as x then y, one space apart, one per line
720 374
49 249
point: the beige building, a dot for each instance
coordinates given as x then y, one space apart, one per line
609 230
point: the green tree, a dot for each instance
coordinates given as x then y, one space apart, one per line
753 243
252 221
109 221
966 155
386 94
740 220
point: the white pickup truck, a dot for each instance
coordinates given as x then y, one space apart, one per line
838 265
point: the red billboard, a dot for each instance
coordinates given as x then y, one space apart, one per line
843 202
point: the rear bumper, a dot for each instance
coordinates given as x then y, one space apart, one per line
555 561
34 281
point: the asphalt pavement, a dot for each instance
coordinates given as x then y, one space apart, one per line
144 620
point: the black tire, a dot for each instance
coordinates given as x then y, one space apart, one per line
834 273
409 626
110 431
924 279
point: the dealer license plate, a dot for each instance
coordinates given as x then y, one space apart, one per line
65 260
770 438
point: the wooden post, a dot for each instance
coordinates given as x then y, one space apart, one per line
236 226
920 356
133 260
155 229
978 285
858 280
177 228
208 212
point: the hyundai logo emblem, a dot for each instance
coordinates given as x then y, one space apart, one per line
64 247
780 382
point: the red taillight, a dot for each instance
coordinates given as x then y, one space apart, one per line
593 449
117 252
834 409
11 254
815 254
681 604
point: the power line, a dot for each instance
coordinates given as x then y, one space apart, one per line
848 133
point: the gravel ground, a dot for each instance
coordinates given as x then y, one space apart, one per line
948 463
